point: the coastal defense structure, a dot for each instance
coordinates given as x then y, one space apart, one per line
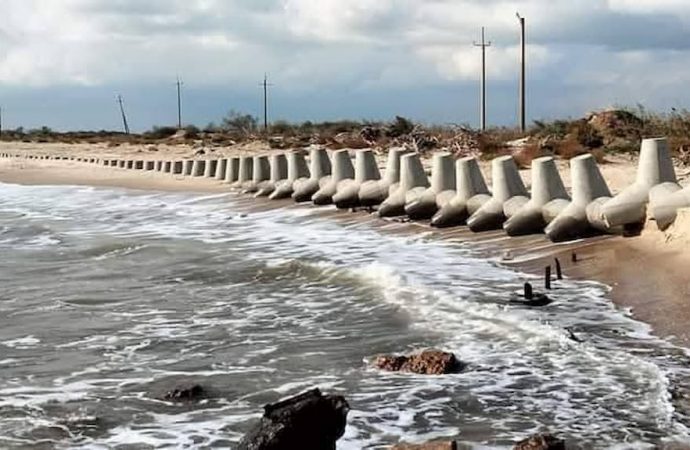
665 201
366 169
297 170
374 192
320 175
245 171
261 171
342 170
232 170
198 167
420 205
509 192
588 186
471 193
210 166
630 206
279 170
412 176
221 168
549 198
187 167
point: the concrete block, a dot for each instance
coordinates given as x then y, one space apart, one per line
342 170
471 194
320 174
412 176
507 184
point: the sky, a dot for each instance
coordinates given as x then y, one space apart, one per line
62 62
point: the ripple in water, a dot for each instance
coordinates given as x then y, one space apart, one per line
104 308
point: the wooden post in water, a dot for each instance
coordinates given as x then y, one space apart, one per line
559 271
547 277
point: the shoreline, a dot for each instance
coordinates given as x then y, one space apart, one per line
659 298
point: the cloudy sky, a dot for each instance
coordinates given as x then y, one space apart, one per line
63 61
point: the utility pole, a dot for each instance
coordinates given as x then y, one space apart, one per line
0 121
179 103
265 85
523 84
122 111
482 110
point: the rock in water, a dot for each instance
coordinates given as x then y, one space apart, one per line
541 442
428 362
188 393
439 445
309 421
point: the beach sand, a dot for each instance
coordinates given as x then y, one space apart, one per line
648 273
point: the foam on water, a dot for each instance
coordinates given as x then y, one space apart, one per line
140 290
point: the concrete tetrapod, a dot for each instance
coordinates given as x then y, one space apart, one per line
630 205
198 167
366 169
342 170
423 204
665 200
412 176
374 192
221 168
508 193
232 171
261 171
549 198
320 175
471 194
297 169
210 168
187 167
588 186
245 172
278 173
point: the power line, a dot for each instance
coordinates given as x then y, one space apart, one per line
124 116
179 103
265 86
482 110
523 84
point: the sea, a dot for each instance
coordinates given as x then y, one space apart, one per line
111 297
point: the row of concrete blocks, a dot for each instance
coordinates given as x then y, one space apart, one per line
457 193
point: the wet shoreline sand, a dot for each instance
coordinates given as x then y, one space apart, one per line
648 276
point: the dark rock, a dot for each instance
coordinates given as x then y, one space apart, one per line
309 421
438 445
189 393
200 152
541 442
428 362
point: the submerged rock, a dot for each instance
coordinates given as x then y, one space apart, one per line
541 442
185 393
309 421
428 362
438 445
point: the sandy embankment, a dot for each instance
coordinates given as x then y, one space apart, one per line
648 273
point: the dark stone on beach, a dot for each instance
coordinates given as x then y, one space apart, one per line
541 442
186 393
438 445
309 421
428 362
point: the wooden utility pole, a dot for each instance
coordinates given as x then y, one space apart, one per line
482 108
179 103
122 111
265 85
523 84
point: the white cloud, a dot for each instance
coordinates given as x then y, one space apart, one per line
310 44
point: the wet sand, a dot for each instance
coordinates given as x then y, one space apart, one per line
648 275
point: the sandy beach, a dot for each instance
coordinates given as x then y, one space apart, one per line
647 273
